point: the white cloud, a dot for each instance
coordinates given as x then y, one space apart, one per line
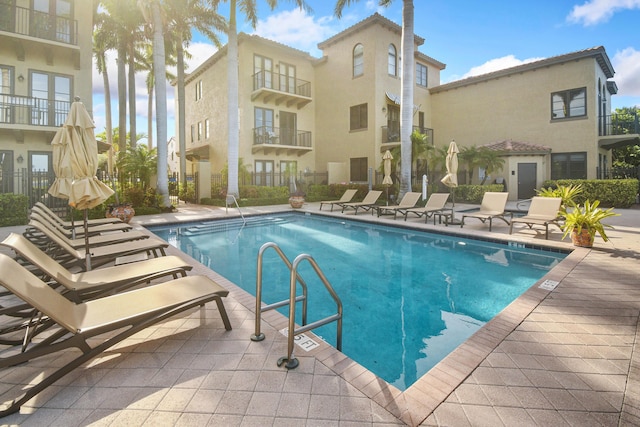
200 52
498 64
297 29
627 66
594 12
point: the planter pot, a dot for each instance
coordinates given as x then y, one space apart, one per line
583 239
124 212
296 202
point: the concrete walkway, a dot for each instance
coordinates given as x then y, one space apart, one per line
570 356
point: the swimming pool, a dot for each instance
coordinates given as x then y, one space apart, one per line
410 297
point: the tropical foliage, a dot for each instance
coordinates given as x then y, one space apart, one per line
587 217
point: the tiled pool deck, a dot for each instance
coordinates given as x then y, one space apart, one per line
570 356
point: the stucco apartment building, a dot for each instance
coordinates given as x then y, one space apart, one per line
339 113
45 61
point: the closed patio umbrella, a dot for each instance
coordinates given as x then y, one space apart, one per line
451 178
61 187
87 191
386 166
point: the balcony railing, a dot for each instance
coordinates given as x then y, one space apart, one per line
391 134
620 124
29 22
266 135
24 110
269 86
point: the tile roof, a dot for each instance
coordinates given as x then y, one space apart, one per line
517 147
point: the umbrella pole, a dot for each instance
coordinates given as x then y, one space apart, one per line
86 240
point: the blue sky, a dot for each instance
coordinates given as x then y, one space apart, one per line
471 37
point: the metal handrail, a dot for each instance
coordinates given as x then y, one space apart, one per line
232 199
294 277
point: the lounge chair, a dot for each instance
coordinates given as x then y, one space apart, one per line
346 197
542 211
68 224
435 204
492 206
366 204
409 200
94 326
86 285
94 227
60 249
37 222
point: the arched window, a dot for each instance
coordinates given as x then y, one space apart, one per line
393 60
358 60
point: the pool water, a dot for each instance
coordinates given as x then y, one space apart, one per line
409 297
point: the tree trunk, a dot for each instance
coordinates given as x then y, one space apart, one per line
234 115
159 69
150 115
181 120
406 103
122 98
132 95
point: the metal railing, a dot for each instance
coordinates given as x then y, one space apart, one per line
30 22
294 278
26 110
281 136
391 133
620 124
281 82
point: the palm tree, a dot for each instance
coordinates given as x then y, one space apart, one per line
471 158
152 14
248 7
140 162
491 161
185 16
406 103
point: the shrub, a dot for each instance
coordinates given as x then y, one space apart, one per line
13 209
619 193
135 196
188 193
474 193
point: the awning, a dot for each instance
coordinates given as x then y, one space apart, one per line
617 141
196 153
396 100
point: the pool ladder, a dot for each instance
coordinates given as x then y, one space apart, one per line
294 277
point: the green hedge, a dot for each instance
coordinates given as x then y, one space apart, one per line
474 193
619 193
14 210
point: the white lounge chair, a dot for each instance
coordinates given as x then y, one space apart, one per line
492 206
409 200
346 198
435 204
366 204
542 211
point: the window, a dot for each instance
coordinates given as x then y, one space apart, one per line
263 126
569 166
53 93
263 72
289 170
287 78
421 75
358 117
6 79
60 27
359 169
569 103
199 131
198 90
393 61
206 128
193 133
264 172
358 60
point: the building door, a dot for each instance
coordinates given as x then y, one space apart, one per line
527 180
288 128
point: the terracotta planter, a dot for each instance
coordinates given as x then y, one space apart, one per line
124 212
296 202
583 239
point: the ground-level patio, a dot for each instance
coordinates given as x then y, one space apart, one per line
569 356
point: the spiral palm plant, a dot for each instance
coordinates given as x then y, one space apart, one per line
588 220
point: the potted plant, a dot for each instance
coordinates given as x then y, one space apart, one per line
296 199
582 223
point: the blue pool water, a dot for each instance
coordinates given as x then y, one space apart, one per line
410 297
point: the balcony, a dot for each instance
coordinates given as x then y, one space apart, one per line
29 22
280 88
270 139
391 135
619 130
26 111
